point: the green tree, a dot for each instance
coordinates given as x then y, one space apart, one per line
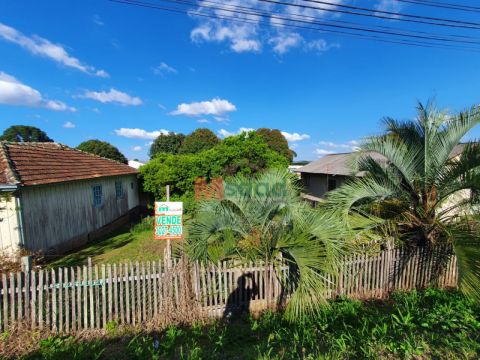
277 142
244 154
199 140
421 192
23 133
167 143
103 149
263 218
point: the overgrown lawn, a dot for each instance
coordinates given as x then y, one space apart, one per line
129 243
417 325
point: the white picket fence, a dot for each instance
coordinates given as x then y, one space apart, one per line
71 299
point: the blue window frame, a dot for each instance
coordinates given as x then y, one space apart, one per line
119 190
97 195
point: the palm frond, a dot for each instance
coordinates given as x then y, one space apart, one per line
466 245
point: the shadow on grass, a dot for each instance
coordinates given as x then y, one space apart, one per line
114 240
405 326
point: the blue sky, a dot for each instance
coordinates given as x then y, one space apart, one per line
119 73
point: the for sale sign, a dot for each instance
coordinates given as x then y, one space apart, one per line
168 220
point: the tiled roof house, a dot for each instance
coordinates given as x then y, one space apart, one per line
56 198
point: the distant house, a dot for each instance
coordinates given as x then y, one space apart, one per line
55 198
331 171
135 164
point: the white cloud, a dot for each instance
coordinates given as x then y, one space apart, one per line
330 147
163 69
215 106
350 145
283 42
13 92
97 20
241 37
322 152
390 6
203 121
69 125
225 133
321 45
295 136
250 36
137 148
221 119
112 96
43 47
135 133
161 106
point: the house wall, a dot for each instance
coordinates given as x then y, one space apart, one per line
60 217
317 184
9 224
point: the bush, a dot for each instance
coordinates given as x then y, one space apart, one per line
243 154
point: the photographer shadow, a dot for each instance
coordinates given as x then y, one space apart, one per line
238 301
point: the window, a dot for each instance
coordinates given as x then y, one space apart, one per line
131 185
118 190
332 184
97 195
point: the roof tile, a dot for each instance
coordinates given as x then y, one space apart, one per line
47 163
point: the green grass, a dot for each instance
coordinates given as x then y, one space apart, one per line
127 243
430 324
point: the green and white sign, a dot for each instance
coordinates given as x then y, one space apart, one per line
168 220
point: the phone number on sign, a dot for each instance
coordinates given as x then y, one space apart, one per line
168 230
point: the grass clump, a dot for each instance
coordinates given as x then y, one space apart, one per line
128 243
416 325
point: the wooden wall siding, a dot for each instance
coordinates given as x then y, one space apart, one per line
9 225
58 213
70 299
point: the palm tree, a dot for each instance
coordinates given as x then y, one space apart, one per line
264 218
417 185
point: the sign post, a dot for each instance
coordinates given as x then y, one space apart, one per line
168 223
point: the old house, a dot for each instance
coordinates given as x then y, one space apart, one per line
328 173
331 171
55 198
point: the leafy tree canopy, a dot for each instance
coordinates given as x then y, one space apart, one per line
277 142
199 140
166 143
103 149
244 154
23 133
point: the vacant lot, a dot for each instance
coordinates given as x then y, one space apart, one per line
418 325
133 242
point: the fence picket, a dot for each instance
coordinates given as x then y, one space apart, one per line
67 300
104 285
60 300
127 294
19 297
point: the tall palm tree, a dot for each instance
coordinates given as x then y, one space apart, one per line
264 218
417 185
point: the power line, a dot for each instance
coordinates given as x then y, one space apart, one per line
395 14
438 4
345 25
416 43
270 15
398 16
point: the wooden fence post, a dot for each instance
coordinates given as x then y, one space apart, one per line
27 268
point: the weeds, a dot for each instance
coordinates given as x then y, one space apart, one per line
425 324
